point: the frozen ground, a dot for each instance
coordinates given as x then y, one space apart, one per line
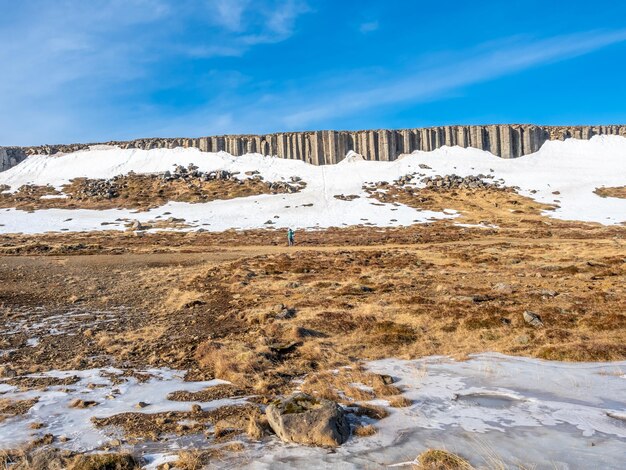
562 173
497 411
53 407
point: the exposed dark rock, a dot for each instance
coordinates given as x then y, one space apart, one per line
304 419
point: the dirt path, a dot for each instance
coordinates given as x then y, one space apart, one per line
221 253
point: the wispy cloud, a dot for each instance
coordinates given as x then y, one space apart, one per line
70 69
249 23
368 27
115 69
481 64
228 13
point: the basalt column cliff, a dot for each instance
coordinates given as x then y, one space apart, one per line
324 147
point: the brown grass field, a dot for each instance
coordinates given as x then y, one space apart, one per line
243 307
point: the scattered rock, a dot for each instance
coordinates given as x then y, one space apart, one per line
281 349
548 293
81 404
349 197
286 313
142 404
304 419
44 440
136 225
74 299
459 182
504 288
387 379
7 372
193 303
532 319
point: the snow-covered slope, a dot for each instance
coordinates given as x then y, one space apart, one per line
572 169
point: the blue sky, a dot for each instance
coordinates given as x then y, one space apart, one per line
85 71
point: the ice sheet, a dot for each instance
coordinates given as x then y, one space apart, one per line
497 411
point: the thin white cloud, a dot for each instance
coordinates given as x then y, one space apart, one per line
228 13
481 65
252 23
71 69
246 24
368 27
80 73
281 20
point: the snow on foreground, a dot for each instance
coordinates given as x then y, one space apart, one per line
561 172
498 411
122 395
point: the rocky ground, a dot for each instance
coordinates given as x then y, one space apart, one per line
145 191
270 319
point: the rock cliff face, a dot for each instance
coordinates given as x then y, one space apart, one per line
324 147
11 156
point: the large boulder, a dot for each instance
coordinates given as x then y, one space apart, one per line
308 420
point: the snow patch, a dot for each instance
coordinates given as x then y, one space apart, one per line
53 407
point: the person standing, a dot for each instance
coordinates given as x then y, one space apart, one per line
291 237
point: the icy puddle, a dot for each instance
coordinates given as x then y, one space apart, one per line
497 411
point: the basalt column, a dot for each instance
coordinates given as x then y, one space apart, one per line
327 147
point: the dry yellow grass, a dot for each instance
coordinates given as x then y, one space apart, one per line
237 363
422 290
256 427
180 299
48 458
364 430
354 383
135 191
398 401
437 459
189 460
500 207
10 408
615 191
416 302
33 459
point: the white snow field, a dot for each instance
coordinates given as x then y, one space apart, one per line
564 173
498 411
